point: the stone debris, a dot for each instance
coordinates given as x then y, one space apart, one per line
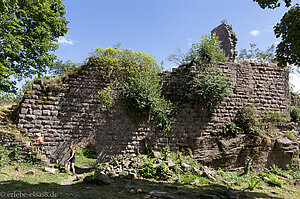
103 179
30 172
195 182
209 173
157 193
51 170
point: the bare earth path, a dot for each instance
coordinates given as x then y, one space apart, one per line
67 187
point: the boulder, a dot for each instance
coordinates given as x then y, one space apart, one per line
103 179
209 173
30 172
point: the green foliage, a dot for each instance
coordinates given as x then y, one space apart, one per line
161 171
255 54
25 87
105 98
98 170
30 158
4 159
247 117
148 170
163 121
208 51
278 171
60 68
29 30
143 93
272 3
210 88
288 50
290 135
253 182
295 114
234 176
273 180
85 158
231 128
255 130
273 116
137 74
7 98
189 177
14 152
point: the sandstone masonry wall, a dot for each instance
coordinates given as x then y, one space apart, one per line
68 111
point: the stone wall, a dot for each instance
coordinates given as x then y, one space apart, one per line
6 140
67 111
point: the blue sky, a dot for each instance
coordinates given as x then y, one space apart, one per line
159 27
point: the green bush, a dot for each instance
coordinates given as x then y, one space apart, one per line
247 116
136 74
290 135
210 88
295 114
105 98
207 51
231 128
253 182
273 116
148 170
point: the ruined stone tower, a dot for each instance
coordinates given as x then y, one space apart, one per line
228 39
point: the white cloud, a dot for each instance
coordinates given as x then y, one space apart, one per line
64 41
254 33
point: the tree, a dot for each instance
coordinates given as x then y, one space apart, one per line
60 68
28 34
207 51
288 50
255 54
272 3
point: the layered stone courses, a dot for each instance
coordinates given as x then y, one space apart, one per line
68 112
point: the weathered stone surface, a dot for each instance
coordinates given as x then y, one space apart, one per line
103 179
71 114
157 193
209 173
30 172
228 39
51 170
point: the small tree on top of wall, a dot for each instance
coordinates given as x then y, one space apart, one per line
209 86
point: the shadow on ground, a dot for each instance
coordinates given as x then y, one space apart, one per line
135 188
20 189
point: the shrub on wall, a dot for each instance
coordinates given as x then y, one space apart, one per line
136 74
207 51
210 86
